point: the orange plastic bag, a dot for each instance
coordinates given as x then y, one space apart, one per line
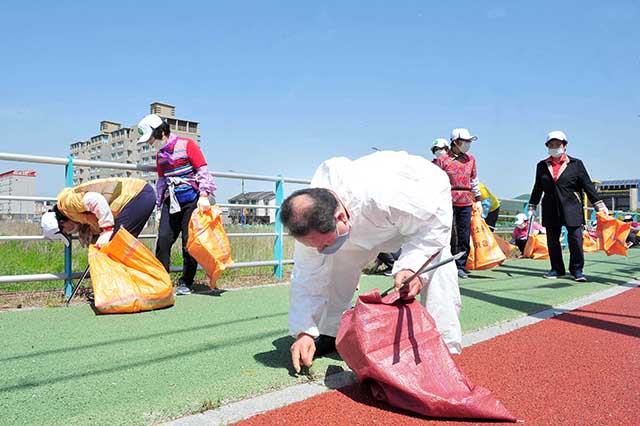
484 251
589 244
208 243
506 247
394 347
126 277
613 234
536 247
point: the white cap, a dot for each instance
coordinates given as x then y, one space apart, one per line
440 143
462 134
51 228
147 125
556 134
520 219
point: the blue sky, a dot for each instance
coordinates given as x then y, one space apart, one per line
280 86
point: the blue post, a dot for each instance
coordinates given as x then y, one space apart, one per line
565 239
278 243
68 270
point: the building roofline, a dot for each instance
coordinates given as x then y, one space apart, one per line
28 173
163 104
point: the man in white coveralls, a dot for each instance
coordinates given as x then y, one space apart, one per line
352 211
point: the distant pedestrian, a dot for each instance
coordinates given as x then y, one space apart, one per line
460 166
560 182
184 184
490 207
439 148
632 238
520 229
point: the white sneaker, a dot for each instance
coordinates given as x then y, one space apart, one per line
183 290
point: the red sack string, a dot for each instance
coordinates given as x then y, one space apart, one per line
394 346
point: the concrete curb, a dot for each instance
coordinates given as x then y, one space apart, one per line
244 409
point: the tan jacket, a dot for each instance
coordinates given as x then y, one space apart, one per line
117 191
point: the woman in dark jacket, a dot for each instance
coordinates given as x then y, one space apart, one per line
563 179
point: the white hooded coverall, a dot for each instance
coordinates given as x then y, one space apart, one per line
394 200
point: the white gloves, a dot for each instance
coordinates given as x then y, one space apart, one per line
604 210
532 211
478 207
104 238
157 218
203 203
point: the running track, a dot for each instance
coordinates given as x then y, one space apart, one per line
581 368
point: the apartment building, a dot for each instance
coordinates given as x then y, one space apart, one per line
620 194
19 183
118 144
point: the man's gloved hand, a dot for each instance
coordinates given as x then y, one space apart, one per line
203 203
604 210
532 211
104 238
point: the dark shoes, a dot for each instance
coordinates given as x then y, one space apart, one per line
579 276
183 289
324 345
552 275
462 274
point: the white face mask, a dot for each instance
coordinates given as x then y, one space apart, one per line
556 152
340 240
464 146
521 225
439 153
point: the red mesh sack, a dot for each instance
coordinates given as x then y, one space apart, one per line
394 346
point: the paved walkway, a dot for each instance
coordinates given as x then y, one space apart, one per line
578 368
68 366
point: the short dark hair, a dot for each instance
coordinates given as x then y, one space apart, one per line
317 216
161 130
60 217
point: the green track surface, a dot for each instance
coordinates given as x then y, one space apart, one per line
68 366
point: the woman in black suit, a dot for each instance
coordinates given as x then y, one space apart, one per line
563 179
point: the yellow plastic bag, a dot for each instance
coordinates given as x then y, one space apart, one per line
127 277
613 234
536 247
589 244
208 243
484 253
506 247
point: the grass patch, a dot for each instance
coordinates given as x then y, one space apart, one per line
38 257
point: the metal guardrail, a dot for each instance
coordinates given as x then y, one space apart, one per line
70 163
278 235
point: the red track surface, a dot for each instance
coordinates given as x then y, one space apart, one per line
581 368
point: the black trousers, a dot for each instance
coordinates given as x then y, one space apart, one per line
135 214
521 243
461 233
388 259
576 255
172 225
492 218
